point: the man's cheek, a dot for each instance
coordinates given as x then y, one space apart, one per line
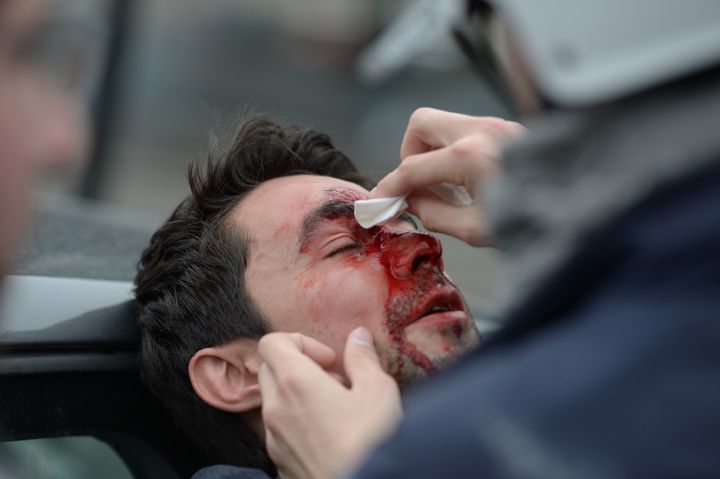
341 302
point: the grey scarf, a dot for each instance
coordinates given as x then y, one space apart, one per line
577 170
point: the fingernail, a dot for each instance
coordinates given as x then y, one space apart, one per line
362 336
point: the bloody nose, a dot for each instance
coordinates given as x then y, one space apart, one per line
409 252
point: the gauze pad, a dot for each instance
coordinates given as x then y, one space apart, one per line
376 211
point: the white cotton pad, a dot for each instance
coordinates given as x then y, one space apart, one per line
369 213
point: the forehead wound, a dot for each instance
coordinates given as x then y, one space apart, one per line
340 203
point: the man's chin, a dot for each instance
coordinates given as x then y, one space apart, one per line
441 335
427 346
435 343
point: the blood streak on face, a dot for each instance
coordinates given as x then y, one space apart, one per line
412 263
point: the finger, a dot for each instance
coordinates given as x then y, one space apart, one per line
272 445
465 223
361 361
268 383
282 349
271 396
287 372
430 129
278 401
271 401
466 162
283 457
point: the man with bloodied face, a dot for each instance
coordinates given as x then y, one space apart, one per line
316 270
267 242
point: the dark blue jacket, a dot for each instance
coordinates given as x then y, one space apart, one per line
609 365
610 369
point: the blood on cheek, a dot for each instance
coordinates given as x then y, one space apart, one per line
398 253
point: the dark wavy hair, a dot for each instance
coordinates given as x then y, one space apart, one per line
190 283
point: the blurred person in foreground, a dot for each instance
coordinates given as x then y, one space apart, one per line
608 211
267 241
42 125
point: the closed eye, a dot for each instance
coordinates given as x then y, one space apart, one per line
342 249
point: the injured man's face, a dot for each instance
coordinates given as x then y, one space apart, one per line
312 269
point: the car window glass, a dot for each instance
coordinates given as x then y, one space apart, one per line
78 457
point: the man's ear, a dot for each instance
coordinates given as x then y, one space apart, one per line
226 377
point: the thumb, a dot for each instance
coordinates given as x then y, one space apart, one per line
360 359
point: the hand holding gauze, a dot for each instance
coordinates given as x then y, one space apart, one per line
443 158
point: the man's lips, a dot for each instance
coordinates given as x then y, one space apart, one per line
438 303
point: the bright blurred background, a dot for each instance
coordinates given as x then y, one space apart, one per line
171 72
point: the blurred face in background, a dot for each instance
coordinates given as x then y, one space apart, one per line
41 124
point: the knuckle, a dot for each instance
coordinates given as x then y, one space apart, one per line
516 128
493 124
471 234
406 167
500 129
271 412
267 342
421 114
288 383
476 155
469 148
403 167
497 122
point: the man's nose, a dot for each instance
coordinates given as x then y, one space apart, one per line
411 252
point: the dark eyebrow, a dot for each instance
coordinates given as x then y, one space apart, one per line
332 210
